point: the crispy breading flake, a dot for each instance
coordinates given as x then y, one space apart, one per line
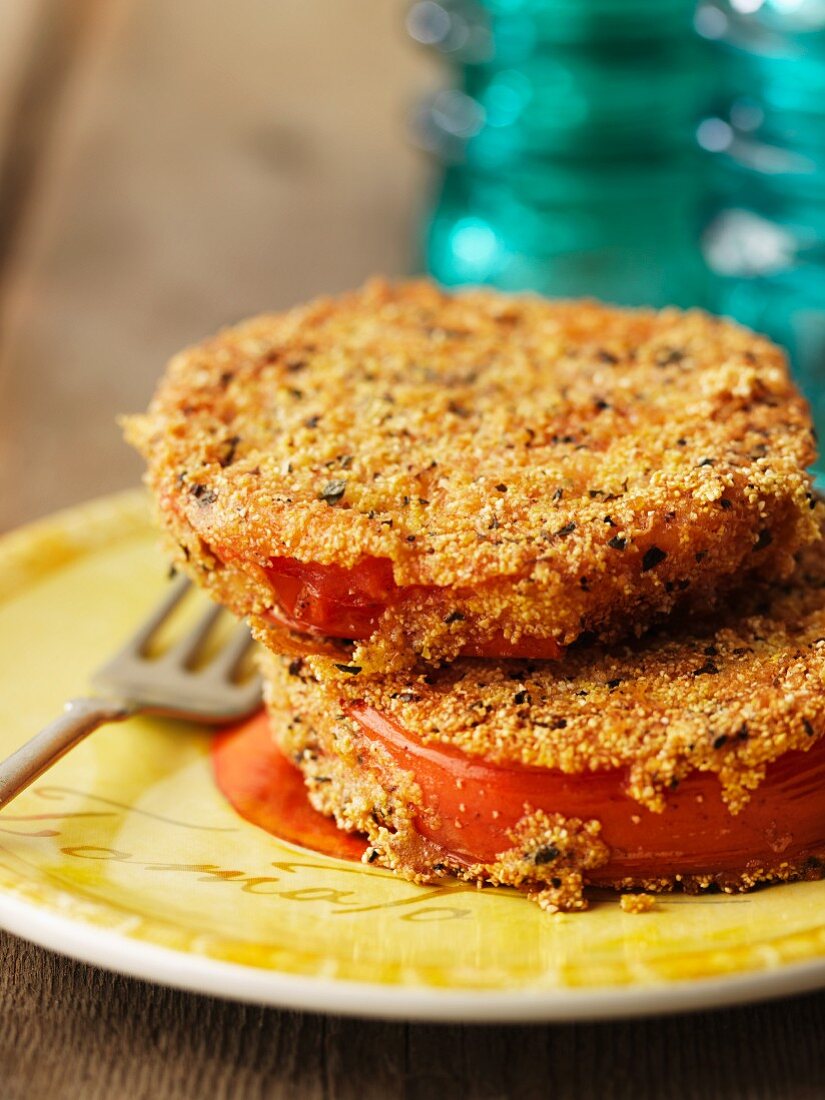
637 903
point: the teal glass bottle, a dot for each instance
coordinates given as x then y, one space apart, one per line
565 149
765 242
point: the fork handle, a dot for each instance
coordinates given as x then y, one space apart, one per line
80 717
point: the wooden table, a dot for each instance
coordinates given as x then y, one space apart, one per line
166 167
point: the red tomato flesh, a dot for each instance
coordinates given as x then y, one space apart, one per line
268 790
476 803
347 603
326 599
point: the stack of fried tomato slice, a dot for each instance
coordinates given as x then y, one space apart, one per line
445 514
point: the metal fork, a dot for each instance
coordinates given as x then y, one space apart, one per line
131 683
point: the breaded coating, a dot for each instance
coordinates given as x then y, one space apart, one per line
728 695
530 470
637 903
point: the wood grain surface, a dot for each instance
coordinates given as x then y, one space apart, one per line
167 167
71 1031
174 167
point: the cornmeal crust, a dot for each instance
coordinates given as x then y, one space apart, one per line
530 469
726 696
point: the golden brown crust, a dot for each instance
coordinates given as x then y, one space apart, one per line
358 784
351 777
533 468
727 695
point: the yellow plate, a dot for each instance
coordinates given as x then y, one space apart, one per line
126 855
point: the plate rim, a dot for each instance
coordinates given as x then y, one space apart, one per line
83 524
134 958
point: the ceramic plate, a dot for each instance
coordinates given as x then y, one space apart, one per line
126 855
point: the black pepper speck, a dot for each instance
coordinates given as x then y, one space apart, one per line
652 557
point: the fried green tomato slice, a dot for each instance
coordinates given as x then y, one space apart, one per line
402 474
694 757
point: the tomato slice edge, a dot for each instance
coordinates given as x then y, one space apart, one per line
333 602
471 805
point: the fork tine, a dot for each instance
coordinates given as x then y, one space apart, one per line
168 684
140 639
232 653
183 651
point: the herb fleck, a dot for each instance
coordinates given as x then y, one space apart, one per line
546 854
228 457
333 491
707 669
668 356
203 495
